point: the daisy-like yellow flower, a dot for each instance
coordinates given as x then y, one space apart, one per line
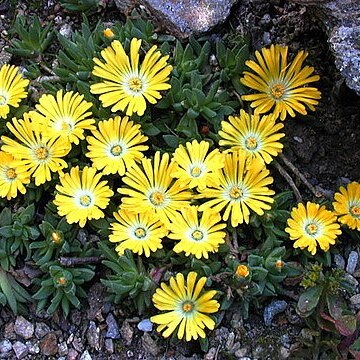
127 84
65 115
280 85
12 88
186 307
34 154
152 189
347 205
12 179
243 187
197 167
116 145
81 195
311 226
140 233
257 136
197 236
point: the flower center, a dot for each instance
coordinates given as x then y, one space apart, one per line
10 174
187 306
157 198
196 171
251 143
116 150
41 153
197 235
2 100
140 233
85 200
355 211
235 193
277 91
311 229
135 84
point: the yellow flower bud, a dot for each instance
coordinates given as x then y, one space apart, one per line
56 237
242 271
279 264
108 33
61 281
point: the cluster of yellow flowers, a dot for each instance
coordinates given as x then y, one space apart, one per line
183 196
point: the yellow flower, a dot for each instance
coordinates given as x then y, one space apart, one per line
12 179
243 187
186 309
127 85
66 116
197 236
258 137
141 233
311 226
279 264
108 33
197 167
12 88
116 145
81 195
280 85
34 154
242 271
347 205
151 189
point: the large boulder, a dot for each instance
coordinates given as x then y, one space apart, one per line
185 17
341 19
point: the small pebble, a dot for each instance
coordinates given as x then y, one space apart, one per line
85 356
274 308
339 261
210 355
72 354
127 332
145 325
351 280
355 299
241 353
112 327
298 139
41 329
5 346
109 346
20 349
63 349
48 345
149 345
352 262
33 347
93 336
23 327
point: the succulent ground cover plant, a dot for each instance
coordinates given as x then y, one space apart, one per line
137 139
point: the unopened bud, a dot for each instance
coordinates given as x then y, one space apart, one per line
108 33
242 271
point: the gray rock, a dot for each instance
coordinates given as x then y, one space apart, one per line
63 349
274 308
145 325
112 327
351 280
109 346
33 347
72 354
352 262
41 329
85 356
241 353
20 349
355 299
93 336
127 332
23 327
124 5
342 22
5 347
185 17
149 345
339 261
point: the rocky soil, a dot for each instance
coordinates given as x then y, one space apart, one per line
324 147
